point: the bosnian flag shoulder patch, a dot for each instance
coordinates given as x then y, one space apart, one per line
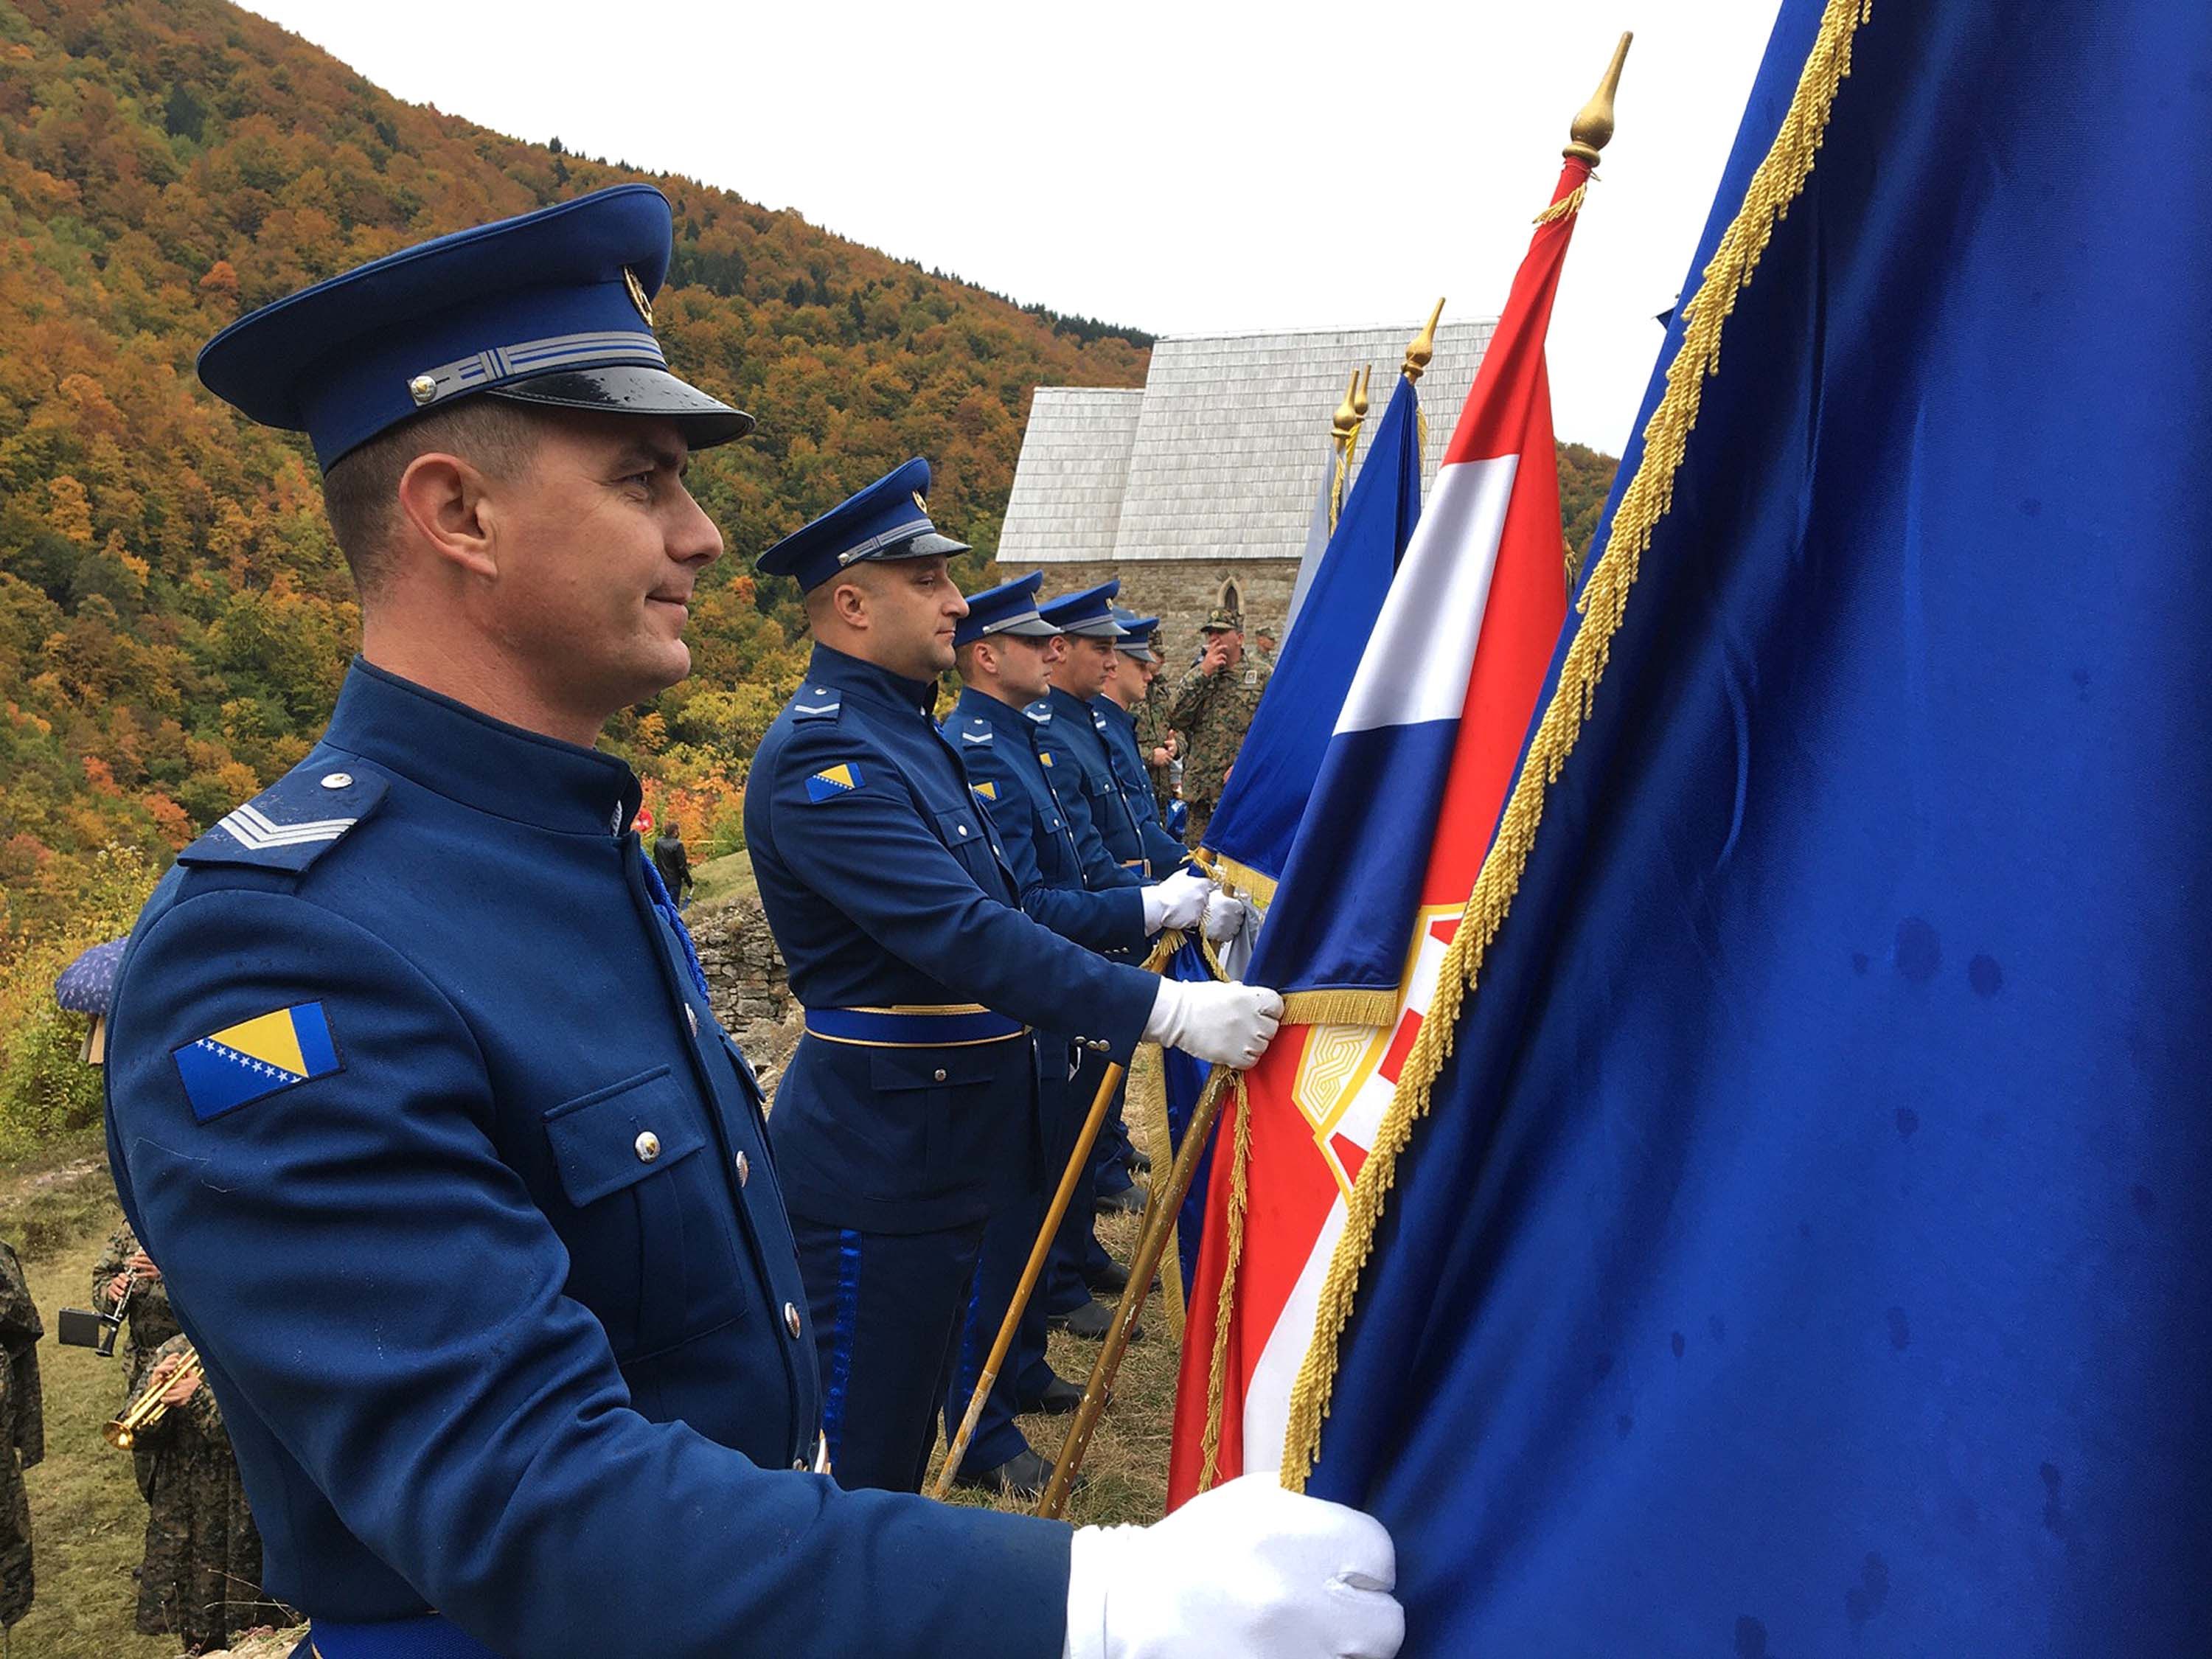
842 778
245 1062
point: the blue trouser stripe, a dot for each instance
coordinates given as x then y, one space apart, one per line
841 1337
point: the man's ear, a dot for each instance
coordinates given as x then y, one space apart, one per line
849 601
445 501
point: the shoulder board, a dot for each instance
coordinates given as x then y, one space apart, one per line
295 821
1039 711
817 702
1098 719
975 731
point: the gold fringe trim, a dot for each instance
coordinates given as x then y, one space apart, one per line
1217 1377
1780 179
1339 1007
1148 1094
1258 887
1570 203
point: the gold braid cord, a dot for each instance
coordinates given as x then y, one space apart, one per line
1780 179
1217 1377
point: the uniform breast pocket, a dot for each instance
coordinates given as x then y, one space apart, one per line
651 1245
942 1093
969 834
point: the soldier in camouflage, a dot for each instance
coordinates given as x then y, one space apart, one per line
1156 741
1212 709
23 1434
200 1580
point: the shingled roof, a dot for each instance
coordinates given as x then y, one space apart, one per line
1220 457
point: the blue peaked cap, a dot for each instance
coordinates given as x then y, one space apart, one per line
1136 639
888 520
1089 613
553 308
1009 608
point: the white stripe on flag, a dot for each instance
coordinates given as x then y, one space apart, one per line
1417 661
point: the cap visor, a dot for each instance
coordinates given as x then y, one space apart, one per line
1142 653
634 389
1105 628
1029 628
921 547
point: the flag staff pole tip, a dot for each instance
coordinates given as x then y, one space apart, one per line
1347 418
1422 348
1359 397
1593 125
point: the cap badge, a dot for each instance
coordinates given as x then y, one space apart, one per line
638 296
920 505
422 388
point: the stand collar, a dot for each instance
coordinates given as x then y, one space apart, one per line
454 751
832 667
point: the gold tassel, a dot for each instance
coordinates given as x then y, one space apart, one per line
1779 180
1260 889
1148 1093
1570 203
1217 1377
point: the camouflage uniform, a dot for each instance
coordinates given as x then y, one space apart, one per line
23 1433
149 1324
201 1580
1152 728
201 1577
1212 712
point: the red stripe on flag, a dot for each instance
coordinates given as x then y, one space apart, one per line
1401 1044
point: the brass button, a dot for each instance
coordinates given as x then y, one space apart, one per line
745 1169
338 779
691 1019
939 1074
791 1319
647 1145
964 829
422 388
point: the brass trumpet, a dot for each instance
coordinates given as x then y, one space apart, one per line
148 1407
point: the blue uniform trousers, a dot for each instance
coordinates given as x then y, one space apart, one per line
1008 1238
886 1311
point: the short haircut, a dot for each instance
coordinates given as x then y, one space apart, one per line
361 492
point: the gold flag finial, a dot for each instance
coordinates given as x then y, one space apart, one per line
1593 121
1347 418
1359 398
1423 347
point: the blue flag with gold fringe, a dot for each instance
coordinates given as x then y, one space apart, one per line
1804 1248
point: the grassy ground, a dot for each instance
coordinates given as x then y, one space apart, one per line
88 1521
723 878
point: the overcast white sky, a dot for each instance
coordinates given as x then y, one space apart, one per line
1179 167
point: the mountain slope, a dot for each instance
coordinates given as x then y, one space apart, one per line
174 618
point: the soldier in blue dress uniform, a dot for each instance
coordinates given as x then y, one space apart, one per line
1112 714
1005 650
909 1110
459 1191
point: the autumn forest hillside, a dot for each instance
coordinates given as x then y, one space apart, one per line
174 616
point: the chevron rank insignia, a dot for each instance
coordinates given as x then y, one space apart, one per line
842 778
294 822
987 789
256 1057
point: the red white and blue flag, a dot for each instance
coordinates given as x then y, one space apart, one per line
1418 765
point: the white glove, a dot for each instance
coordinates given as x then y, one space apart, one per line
1224 917
1245 1571
1229 1025
1176 901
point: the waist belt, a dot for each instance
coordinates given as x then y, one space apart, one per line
944 1025
428 1636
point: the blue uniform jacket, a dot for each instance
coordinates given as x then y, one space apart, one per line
1118 727
1083 778
887 893
1002 767
466 1200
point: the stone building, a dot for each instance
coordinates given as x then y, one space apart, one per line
1200 486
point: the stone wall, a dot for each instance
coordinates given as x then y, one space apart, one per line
746 982
1180 592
